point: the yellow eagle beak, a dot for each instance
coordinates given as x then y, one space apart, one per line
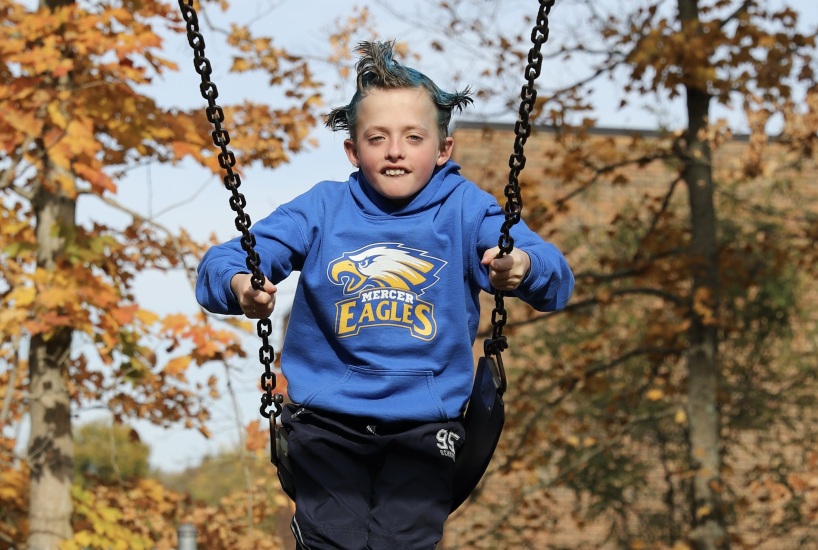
347 268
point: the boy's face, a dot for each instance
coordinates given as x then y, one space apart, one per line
397 145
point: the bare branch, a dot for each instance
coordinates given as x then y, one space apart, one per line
739 10
657 215
190 270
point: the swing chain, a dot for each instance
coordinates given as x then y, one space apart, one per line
232 181
514 201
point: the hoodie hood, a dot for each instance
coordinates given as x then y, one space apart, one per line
445 179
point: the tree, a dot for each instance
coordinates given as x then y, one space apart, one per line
109 452
661 348
74 90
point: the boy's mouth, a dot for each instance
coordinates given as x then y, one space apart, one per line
394 172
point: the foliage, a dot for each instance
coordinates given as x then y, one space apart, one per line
216 476
109 453
142 512
75 89
87 128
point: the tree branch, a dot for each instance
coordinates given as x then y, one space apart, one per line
657 215
739 10
189 270
599 171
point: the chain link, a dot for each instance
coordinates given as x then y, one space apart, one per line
232 181
514 200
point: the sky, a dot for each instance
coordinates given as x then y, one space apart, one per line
188 197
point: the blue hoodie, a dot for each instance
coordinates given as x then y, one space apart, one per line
386 308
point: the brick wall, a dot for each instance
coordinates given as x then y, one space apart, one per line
483 151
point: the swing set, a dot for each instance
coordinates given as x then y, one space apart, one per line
485 412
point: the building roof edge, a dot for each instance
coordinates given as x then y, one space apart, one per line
592 130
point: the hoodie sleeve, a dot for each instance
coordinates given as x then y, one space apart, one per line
550 282
280 244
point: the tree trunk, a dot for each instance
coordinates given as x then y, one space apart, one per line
51 446
708 531
51 443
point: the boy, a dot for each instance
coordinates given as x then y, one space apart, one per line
378 351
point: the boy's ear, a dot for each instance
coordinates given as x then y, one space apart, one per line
445 151
352 152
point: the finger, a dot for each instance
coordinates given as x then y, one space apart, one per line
258 313
502 265
489 255
262 300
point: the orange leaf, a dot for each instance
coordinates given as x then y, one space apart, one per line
177 365
125 314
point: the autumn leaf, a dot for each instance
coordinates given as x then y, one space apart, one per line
654 394
177 365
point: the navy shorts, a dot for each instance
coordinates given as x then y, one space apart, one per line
366 485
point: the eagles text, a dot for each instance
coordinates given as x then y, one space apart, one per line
386 307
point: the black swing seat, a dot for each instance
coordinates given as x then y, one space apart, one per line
483 422
281 460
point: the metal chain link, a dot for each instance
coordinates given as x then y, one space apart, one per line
514 201
232 181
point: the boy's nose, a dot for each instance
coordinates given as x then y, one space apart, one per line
394 151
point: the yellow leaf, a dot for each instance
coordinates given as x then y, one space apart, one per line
12 227
147 317
23 296
681 417
175 323
654 394
240 65
57 116
702 305
110 515
54 297
177 365
24 122
83 539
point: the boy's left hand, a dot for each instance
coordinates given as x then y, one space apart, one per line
506 273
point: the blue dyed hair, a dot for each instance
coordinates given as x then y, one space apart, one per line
377 69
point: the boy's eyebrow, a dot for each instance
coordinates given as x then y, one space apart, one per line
413 128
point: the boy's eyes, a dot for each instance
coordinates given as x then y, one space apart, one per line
411 137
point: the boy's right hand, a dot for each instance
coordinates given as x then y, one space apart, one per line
256 304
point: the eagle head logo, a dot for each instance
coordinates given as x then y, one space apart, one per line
385 265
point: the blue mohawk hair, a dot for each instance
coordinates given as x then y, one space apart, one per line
377 69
